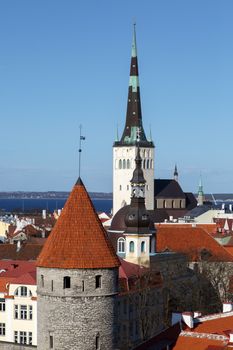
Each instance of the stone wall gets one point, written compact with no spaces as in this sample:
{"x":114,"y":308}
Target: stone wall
{"x":13,"y":346}
{"x":76,"y":318}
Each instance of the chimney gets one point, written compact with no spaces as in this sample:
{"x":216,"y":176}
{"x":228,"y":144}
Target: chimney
{"x":187,"y":317}
{"x":231,"y":338}
{"x":196,"y":314}
{"x":176,"y":318}
{"x":44,"y":214}
{"x":227,"y":307}
{"x":18,"y":246}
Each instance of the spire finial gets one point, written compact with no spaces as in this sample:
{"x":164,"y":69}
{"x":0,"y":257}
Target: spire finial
{"x":134,"y":45}
{"x":117,"y":133}
{"x":81,"y":138}
{"x":176,"y":173}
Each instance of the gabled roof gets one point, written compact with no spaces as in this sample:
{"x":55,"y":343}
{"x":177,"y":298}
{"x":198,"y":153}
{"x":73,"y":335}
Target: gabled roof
{"x":26,"y":252}
{"x":192,"y":241}
{"x":167,"y":188}
{"x":78,"y":240}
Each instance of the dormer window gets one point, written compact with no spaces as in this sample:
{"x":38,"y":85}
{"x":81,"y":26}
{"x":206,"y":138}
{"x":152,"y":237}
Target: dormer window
{"x":66,"y":282}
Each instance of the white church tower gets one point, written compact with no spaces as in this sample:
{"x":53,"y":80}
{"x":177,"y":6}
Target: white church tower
{"x":125,"y":149}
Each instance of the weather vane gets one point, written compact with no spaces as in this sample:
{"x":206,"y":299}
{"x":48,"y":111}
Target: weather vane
{"x":81,"y":138}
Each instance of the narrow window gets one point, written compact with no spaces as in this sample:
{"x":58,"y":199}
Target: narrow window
{"x":42,"y":280}
{"x":23,"y":291}
{"x":148,"y":164}
{"x":30,"y":338}
{"x":83,"y":286}
{"x":120,"y":164}
{"x":2,"y":305}
{"x":143,"y":247}
{"x":124,"y":164}
{"x":127,"y":187}
{"x":120,"y":187}
{"x":121,"y":245}
{"x":98,"y":281}
{"x":97,"y":342}
{"x":151,"y":164}
{"x":131,"y":247}
{"x":16,"y":311}
{"x":66,"y":282}
{"x":16,"y":336}
{"x":51,"y":341}
{"x":52,"y":285}
{"x":30,"y":312}
{"x":128,"y":164}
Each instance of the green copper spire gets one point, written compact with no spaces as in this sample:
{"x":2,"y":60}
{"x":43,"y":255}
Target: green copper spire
{"x":200,"y":187}
{"x":134,"y":45}
{"x":134,"y":113}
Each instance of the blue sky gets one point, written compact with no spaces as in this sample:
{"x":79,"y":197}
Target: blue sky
{"x":63,"y":63}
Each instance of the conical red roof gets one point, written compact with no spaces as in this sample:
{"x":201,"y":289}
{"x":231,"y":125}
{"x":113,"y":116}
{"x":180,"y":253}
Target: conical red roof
{"x":78,"y":240}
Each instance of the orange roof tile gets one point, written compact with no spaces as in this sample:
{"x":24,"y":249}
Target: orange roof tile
{"x":78,"y":239}
{"x":190,"y":241}
{"x":220,"y":325}
{"x":184,"y":343}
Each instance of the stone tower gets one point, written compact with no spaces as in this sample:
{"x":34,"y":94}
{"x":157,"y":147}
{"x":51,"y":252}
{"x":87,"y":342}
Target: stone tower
{"x":124,"y":150}
{"x":140,"y":231}
{"x":77,"y":278}
{"x":200,"y":194}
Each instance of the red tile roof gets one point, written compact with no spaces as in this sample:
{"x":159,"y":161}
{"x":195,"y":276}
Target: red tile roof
{"x":78,"y":239}
{"x":191,"y":241}
{"x":220,"y":325}
{"x":26,"y":252}
{"x":185,"y":343}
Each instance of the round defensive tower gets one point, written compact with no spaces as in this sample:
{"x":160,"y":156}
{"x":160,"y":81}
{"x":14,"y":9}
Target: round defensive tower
{"x":77,"y":277}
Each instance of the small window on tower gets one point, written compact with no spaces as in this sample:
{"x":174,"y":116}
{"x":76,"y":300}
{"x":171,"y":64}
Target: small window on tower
{"x":66,"y":282}
{"x":98,"y":280}
{"x":143,"y":247}
{"x":42,"y":280}
{"x":97,"y":341}
{"x":51,"y":341}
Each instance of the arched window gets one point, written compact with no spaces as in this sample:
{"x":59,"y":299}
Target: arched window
{"x":131,"y":247}
{"x":120,"y":164}
{"x":128,"y":164}
{"x":164,"y":204}
{"x":66,"y":282}
{"x":143,"y":247}
{"x":144,"y":164}
{"x":151,"y":164}
{"x":148,"y":164}
{"x":124,"y":164}
{"x":173,"y":204}
{"x":181,"y":203}
{"x":120,"y":187}
{"x":23,"y":291}
{"x":121,"y":245}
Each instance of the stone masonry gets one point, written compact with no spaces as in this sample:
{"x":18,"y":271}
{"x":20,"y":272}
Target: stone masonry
{"x":81,"y":317}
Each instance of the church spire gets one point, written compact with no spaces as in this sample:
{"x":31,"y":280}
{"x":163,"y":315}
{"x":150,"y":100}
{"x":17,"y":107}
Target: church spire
{"x":200,"y":195}
{"x":176,"y":173}
{"x":134,"y":113}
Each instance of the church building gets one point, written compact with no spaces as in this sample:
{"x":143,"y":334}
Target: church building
{"x":163,"y":197}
